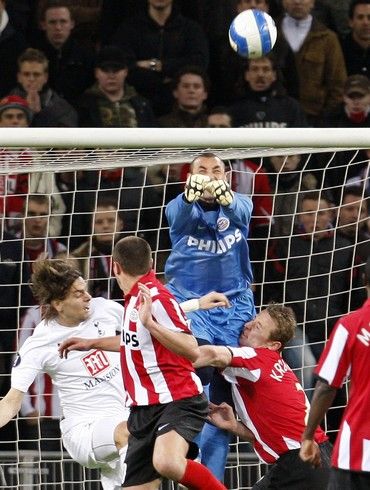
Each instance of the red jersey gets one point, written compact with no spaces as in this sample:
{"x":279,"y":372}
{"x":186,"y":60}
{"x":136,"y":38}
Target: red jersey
{"x":153,"y":374}
{"x":269,"y":401}
{"x":348,"y":353}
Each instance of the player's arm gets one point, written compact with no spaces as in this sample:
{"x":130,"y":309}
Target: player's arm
{"x":180,"y":343}
{"x":213,"y":355}
{"x":223,"y":416}
{"x":10,"y":405}
{"x":206,"y":302}
{"x":103,"y":343}
{"x":321,"y":402}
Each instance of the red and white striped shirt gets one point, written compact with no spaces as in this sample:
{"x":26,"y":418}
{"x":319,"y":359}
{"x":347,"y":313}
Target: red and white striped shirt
{"x":348,"y":353}
{"x":152,"y":374}
{"x":269,"y":401}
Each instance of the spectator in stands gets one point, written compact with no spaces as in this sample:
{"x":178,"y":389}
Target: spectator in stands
{"x":95,"y":254}
{"x":318,"y":58}
{"x":111,"y":102}
{"x":71,"y":64}
{"x":191,"y":86}
{"x":311,"y":270}
{"x":272,"y":422}
{"x":352,"y":224}
{"x":36,"y":241}
{"x":354,"y":110}
{"x":49,"y":109}
{"x":289,"y":180}
{"x":15,"y":112}
{"x":160,"y":42}
{"x":357,"y":43}
{"x":12,"y":43}
{"x":265,"y":103}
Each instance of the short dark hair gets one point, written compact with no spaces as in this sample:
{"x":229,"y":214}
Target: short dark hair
{"x":55,"y":4}
{"x":205,"y":154}
{"x":52,"y":280}
{"x":42,"y":199}
{"x":285,"y":320}
{"x":353,"y":5}
{"x":316,"y":196}
{"x":35,"y":56}
{"x":192,"y":70}
{"x":134,"y":255}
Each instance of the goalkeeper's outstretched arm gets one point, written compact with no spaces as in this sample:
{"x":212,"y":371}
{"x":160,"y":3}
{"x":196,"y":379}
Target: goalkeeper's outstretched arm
{"x":10,"y":405}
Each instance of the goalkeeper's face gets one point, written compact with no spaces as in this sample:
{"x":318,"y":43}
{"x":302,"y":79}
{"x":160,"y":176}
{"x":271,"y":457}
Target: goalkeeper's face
{"x":211,"y":167}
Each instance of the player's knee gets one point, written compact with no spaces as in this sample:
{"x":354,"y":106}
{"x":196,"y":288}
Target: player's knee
{"x":121,"y":435}
{"x":167,"y":467}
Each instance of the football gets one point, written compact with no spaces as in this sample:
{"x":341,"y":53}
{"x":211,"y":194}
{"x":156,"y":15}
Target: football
{"x":252,"y":33}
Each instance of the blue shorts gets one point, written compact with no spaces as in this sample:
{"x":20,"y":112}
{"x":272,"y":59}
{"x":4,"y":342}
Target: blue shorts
{"x":222,"y":326}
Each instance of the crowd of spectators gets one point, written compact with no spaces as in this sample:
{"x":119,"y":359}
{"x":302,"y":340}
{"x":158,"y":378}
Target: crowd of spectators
{"x":166,"y":63}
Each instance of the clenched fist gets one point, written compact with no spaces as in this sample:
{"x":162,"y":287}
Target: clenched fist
{"x":220,"y":190}
{"x":195,"y":186}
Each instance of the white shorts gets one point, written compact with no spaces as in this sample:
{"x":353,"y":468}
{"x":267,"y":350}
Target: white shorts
{"x":80,"y":439}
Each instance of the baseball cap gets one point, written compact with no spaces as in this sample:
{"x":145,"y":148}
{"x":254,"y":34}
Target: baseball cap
{"x":111,"y":57}
{"x":16,"y":102}
{"x":357,"y":85}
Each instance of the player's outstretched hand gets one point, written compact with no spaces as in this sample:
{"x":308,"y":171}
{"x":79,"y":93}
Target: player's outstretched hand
{"x":310,"y":452}
{"x":145,"y":309}
{"x":221,"y":191}
{"x":222,"y":416}
{"x":213,"y":300}
{"x":195,"y":185}
{"x":74,"y":343}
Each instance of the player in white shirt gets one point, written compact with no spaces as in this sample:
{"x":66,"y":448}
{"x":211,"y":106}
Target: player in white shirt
{"x":89,"y":384}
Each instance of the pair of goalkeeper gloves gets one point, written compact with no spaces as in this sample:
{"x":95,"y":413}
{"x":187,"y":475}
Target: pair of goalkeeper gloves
{"x":196,"y":184}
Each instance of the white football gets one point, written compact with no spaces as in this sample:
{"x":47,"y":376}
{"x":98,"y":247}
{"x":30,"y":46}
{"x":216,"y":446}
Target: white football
{"x":252,"y":33}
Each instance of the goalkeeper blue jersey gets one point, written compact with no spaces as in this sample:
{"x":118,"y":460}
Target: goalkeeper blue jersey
{"x":209,"y":247}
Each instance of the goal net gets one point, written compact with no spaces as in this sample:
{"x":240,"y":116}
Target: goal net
{"x":309,"y":239}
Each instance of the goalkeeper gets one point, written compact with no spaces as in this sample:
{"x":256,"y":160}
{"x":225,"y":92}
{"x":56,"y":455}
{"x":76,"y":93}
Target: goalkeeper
{"x":209,"y":226}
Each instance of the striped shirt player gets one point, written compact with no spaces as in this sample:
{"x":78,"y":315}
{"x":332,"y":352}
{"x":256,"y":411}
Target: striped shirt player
{"x":346,"y":355}
{"x":151,"y":373}
{"x":89,"y":384}
{"x":269,"y":401}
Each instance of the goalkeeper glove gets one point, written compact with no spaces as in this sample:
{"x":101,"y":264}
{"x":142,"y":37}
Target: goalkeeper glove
{"x":195,"y":185}
{"x":220,"y":190}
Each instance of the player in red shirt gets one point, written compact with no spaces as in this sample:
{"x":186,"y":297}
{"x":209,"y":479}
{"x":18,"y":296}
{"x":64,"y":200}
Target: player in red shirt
{"x":347,"y":351}
{"x":269,"y":400}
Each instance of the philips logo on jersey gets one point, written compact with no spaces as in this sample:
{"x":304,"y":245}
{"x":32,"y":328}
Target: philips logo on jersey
{"x":95,"y":362}
{"x":130,"y":340}
{"x":215,"y":246}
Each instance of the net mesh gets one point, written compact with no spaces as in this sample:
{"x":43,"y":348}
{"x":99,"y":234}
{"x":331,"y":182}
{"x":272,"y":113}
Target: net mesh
{"x":141,"y":182}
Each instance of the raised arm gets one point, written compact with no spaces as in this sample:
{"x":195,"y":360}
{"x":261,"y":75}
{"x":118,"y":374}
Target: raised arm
{"x":180,"y":343}
{"x":76,"y":343}
{"x":10,"y":405}
{"x":206,"y":302}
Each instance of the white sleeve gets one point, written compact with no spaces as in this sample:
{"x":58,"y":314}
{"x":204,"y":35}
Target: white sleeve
{"x":27,"y":365}
{"x":190,"y":305}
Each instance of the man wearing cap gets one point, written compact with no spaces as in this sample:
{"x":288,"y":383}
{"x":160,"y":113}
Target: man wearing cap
{"x":14,"y":112}
{"x":110,"y":102}
{"x":353,"y":112}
